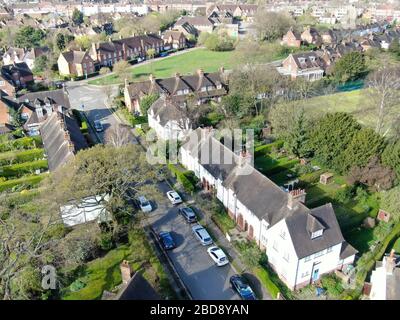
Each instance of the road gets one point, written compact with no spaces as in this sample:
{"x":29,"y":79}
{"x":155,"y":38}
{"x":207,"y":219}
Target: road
{"x":199,"y":273}
{"x":93,"y":99}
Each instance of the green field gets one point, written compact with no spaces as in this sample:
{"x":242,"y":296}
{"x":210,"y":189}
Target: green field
{"x":186,"y":63}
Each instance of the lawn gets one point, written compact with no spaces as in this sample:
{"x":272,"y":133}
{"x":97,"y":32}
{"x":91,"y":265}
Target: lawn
{"x":396,"y":246}
{"x":104,"y":273}
{"x":354,"y":102}
{"x":185,"y":63}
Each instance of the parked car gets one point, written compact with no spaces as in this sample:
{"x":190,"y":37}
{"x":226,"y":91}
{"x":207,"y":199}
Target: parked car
{"x":188,"y":214}
{"x":174,"y":197}
{"x":144,"y":204}
{"x":240,"y":285}
{"x":166,"y":240}
{"x":164,"y":54}
{"x":98,"y":125}
{"x":218,"y":256}
{"x":202,"y":234}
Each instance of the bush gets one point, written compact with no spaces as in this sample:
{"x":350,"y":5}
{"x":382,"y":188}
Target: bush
{"x":21,"y":143}
{"x":332,"y":285}
{"x":344,"y":195}
{"x":106,"y":241}
{"x":182,"y":179}
{"x":303,"y":169}
{"x":18,"y":170}
{"x":28,"y":181}
{"x":310,"y":178}
{"x":21,"y":156}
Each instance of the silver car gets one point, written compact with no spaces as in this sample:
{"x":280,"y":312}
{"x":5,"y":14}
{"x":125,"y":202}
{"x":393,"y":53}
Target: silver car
{"x":201,"y":233}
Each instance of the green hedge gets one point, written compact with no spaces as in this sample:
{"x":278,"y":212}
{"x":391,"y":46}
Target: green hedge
{"x":281,"y":167}
{"x":21,"y":156}
{"x":181,"y":177}
{"x":28,"y":181}
{"x":267,"y":148}
{"x":21,"y":143}
{"x":83,"y":125}
{"x":266,"y":280}
{"x":17,"y":170}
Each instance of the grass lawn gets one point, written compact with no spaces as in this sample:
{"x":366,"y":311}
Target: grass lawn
{"x":354,"y":102}
{"x":104,"y":273}
{"x":186,"y":63}
{"x":396,"y":246}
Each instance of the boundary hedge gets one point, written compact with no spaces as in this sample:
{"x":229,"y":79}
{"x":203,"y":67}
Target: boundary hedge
{"x":9,"y":157}
{"x":28,"y":181}
{"x":17,"y":170}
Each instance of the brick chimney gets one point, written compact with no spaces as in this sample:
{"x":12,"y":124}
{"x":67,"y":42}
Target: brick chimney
{"x":200,"y":72}
{"x":296,"y":196}
{"x":126,"y":272}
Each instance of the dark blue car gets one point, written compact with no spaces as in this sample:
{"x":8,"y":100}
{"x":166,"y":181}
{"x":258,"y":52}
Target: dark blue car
{"x":167,"y":240}
{"x":240,"y":285}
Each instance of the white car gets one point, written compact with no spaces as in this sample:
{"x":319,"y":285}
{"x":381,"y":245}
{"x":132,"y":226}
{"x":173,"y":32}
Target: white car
{"x":202,"y":234}
{"x":144,"y":204}
{"x":218,"y":256}
{"x":174,"y":197}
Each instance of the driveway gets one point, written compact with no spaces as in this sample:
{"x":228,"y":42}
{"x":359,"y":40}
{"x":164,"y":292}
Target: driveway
{"x":199,"y":273}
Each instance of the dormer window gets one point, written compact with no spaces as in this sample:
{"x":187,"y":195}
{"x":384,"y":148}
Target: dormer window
{"x":312,"y":59}
{"x":302,"y":60}
{"x":317,"y":234}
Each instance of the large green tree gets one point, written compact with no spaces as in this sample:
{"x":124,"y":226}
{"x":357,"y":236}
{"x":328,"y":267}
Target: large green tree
{"x":349,"y":67}
{"x":297,"y":142}
{"x":28,"y":37}
{"x":391,"y":156}
{"x":77,"y":17}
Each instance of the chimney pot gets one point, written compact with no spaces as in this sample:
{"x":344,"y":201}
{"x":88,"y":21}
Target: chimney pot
{"x":295,"y":196}
{"x":126,"y":271}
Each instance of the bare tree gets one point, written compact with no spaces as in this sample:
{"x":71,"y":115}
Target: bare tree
{"x":118,"y":135}
{"x":383,"y":95}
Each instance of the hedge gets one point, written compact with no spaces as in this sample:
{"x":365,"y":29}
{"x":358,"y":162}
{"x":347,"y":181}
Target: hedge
{"x":182,"y":179}
{"x":21,"y":156}
{"x":281,"y":167}
{"x":27,"y":181}
{"x":267,"y":148}
{"x":17,"y":170}
{"x":21,"y":143}
{"x":83,"y":125}
{"x":266,"y":280}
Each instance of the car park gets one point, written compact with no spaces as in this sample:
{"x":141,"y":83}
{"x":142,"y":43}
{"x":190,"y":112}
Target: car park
{"x":166,"y":240}
{"x":188,"y":214}
{"x":174,"y":197}
{"x":243,"y":289}
{"x":218,"y":256}
{"x":144,"y":204}
{"x":201,"y":233}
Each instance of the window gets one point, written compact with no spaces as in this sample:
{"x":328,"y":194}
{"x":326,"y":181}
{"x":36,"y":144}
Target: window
{"x":2,"y":83}
{"x":219,"y":86}
{"x":203,"y":89}
{"x":186,"y":91}
{"x":305,"y":274}
{"x":306,"y":259}
{"x":318,"y":254}
{"x":316,"y":234}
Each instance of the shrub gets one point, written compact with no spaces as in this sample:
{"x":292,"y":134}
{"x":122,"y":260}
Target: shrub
{"x":303,"y":169}
{"x":106,"y":241}
{"x":28,"y":181}
{"x":265,"y":278}
{"x":310,"y":178}
{"x":267,"y":148}
{"x":20,"y":169}
{"x":21,"y":143}
{"x":182,"y":179}
{"x":21,"y":156}
{"x":345,"y":194}
{"x":332,"y":285}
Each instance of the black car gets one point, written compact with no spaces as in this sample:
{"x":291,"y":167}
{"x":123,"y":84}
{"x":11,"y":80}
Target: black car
{"x":240,"y":285}
{"x":167,"y":240}
{"x":188,"y":214}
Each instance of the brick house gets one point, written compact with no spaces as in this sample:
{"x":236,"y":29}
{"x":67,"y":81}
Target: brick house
{"x":311,"y":36}
{"x":307,"y":65}
{"x":174,"y":40}
{"x":108,"y":53}
{"x":291,"y":39}
{"x":202,"y":86}
{"x":75,"y":63}
{"x":194,"y":25}
{"x":17,"y":55}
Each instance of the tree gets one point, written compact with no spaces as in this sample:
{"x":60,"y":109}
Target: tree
{"x":146,"y":102}
{"x":330,"y":136}
{"x":62,"y":40}
{"x":297,"y":142}
{"x":118,"y":135}
{"x":390,"y":201}
{"x":394,"y":47}
{"x":121,"y":69}
{"x":391,"y":157}
{"x":349,"y":67}
{"x":364,"y":145}
{"x":104,"y":70}
{"x":41,"y":64}
{"x":373,"y":175}
{"x":77,"y":17}
{"x":28,"y":37}
{"x":272,"y":25}
{"x":383,"y":95}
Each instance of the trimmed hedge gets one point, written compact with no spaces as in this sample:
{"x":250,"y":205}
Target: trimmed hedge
{"x":21,"y":156}
{"x":17,"y":170}
{"x":181,"y":177}
{"x":21,"y":143}
{"x":267,"y":148}
{"x":28,"y":181}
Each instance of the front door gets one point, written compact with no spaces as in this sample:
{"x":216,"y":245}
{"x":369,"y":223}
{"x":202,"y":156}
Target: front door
{"x":315,"y":275}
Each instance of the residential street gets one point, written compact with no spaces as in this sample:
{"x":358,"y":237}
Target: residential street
{"x":199,"y":273}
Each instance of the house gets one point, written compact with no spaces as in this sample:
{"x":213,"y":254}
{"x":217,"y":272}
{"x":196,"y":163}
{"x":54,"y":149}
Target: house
{"x":168,"y":119}
{"x":328,"y":37}
{"x":202,"y":86}
{"x":62,"y":139}
{"x":18,"y":74}
{"x":36,"y":107}
{"x":291,"y":39}
{"x":75,"y":63}
{"x":88,"y":209}
{"x":311,"y":36}
{"x":385,"y":279}
{"x":244,"y":11}
{"x":108,"y":53}
{"x":18,"y":55}
{"x":174,"y":40}
{"x":307,"y":65}
{"x":194,"y":25}
{"x":301,"y":243}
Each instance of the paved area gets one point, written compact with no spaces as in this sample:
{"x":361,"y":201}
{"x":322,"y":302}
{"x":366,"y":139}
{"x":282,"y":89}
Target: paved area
{"x":199,"y":273}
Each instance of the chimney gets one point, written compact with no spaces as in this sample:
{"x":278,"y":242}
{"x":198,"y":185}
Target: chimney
{"x":294,"y":197}
{"x":126,"y":272}
{"x":67,"y":137}
{"x":200,"y":72}
{"x":71,"y":146}
{"x":222,"y":70}
{"x":177,"y":75}
{"x":244,"y":158}
{"x":126,"y":82}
